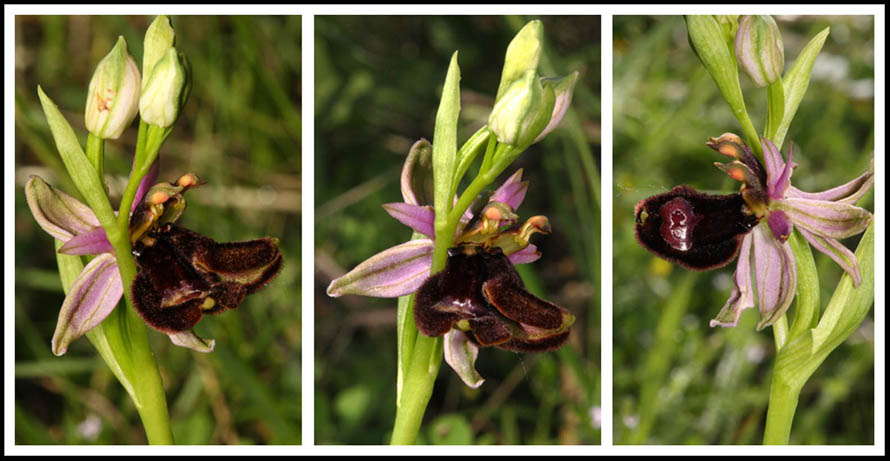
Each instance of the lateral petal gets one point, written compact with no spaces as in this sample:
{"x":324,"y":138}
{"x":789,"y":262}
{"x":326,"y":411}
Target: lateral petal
{"x":418,"y":217}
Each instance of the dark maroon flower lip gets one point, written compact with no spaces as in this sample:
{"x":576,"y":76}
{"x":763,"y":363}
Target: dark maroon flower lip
{"x":480,"y":292}
{"x":694,"y":230}
{"x":183,"y":275}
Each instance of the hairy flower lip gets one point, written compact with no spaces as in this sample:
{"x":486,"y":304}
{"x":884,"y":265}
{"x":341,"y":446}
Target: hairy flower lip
{"x":480,"y":292}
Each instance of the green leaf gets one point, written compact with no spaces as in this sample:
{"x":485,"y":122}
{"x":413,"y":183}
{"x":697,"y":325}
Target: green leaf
{"x":846,"y":310}
{"x":849,"y":305}
{"x":76,"y":162}
{"x":796,"y":81}
{"x":807,"y":298}
{"x":445,"y":142}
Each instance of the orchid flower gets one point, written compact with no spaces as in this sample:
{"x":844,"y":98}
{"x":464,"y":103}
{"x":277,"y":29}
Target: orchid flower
{"x":700,"y":231}
{"x":403,"y":269}
{"x":97,"y":290}
{"x":822,"y":218}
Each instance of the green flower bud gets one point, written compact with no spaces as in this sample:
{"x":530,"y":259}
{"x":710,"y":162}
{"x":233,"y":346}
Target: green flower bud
{"x":158,"y":38}
{"x":759,"y":50}
{"x":524,"y":110}
{"x":113,"y":96}
{"x":523,"y":54}
{"x":166,"y":90}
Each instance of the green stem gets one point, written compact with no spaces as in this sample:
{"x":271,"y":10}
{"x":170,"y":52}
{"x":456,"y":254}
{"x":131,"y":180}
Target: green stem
{"x":96,"y":155}
{"x":419,"y":380}
{"x":750,"y":132}
{"x":783,"y":399}
{"x":129,"y":338}
{"x":784,"y":392}
{"x":805,"y":350}
{"x":122,"y":339}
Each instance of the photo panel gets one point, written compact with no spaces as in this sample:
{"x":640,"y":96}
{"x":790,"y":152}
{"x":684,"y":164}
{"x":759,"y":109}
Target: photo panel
{"x":218,"y":103}
{"x":739,"y":304}
{"x":380,"y":82}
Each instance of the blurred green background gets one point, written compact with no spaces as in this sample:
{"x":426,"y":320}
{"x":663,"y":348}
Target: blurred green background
{"x":378,"y":81}
{"x":676,"y":380}
{"x":240,"y":131}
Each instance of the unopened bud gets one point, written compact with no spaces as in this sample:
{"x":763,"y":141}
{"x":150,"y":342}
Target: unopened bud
{"x":158,"y":38}
{"x":523,"y":112}
{"x":759,"y":50}
{"x":113,"y":98}
{"x":166,"y":90}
